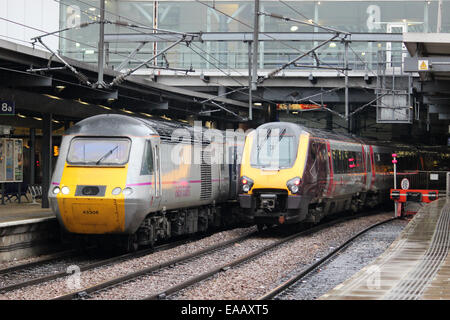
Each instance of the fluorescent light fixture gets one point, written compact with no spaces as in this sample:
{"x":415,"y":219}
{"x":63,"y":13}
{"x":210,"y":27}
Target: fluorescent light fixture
{"x":21,"y":115}
{"x":332,"y":45}
{"x":89,"y":51}
{"x":294,"y":28}
{"x":53,"y":97}
{"x":40,"y":119}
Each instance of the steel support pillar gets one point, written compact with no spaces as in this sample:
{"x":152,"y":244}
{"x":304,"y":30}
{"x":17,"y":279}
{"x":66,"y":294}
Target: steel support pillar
{"x":32,"y":150}
{"x":46,"y":155}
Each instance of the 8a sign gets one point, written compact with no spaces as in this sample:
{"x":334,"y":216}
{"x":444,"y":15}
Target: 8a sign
{"x":6,"y":108}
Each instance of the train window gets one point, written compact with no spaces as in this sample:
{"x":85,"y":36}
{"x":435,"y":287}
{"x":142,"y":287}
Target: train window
{"x":265,"y":153}
{"x":99,"y":151}
{"x":383,"y":162}
{"x":147,"y":159}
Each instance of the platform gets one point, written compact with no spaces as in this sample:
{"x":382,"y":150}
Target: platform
{"x":26,"y":230}
{"x":415,"y":266}
{"x":25,"y":212}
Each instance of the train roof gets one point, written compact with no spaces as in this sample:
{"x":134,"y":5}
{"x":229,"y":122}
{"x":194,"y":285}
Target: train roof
{"x":116,"y":124}
{"x":330,"y":135}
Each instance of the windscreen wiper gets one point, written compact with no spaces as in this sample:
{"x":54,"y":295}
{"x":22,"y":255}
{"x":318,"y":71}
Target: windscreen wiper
{"x":260,"y":145}
{"x":107,"y":154}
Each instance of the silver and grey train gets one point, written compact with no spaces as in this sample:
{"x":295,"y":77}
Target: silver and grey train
{"x":143,"y":180}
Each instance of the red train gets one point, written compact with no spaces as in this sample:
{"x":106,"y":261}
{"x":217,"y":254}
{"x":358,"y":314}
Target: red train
{"x":290,"y":173}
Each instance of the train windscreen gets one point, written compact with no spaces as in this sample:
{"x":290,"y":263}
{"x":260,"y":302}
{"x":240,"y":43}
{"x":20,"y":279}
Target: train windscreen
{"x":273,"y":148}
{"x":99,"y":151}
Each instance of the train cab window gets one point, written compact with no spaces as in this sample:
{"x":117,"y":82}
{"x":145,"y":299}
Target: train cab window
{"x":147,"y":159}
{"x":272,"y":150}
{"x":94,"y":151}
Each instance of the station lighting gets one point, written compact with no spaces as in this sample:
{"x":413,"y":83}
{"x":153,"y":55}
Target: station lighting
{"x":82,"y":102}
{"x":53,"y":97}
{"x":294,"y":28}
{"x":332,"y":45}
{"x":55,"y":151}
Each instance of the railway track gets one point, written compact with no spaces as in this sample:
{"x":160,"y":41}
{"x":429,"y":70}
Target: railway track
{"x":38,"y":262}
{"x":24,"y":268}
{"x":130,"y":276}
{"x":308,"y":270}
{"x":174,"y":264}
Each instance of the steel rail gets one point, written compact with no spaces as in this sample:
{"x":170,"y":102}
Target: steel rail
{"x":90,"y":266}
{"x":246,"y":258}
{"x":85,"y":291}
{"x":285,"y":285}
{"x":49,"y":258}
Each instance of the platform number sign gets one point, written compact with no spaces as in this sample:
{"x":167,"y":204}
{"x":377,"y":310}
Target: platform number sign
{"x":6,"y":108}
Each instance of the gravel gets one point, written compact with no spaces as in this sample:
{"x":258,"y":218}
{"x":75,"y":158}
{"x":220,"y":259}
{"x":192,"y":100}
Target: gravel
{"x":253,"y":279}
{"x":89,"y":278}
{"x":247,"y":281}
{"x":346,"y":263}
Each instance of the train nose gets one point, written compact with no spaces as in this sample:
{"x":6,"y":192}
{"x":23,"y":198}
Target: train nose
{"x":92,"y":210}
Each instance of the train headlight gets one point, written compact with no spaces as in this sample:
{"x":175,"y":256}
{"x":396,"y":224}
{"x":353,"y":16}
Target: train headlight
{"x":294,"y":184}
{"x":294,"y":189}
{"x":116,"y":191}
{"x":127,"y":191}
{"x":65,"y":190}
{"x":56,"y":190}
{"x":246,"y":184}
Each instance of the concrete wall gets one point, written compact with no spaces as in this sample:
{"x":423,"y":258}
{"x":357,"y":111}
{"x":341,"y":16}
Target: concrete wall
{"x":39,"y":15}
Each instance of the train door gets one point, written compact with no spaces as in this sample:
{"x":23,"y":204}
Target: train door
{"x":322,"y":169}
{"x":367,"y":166}
{"x":157,"y":175}
{"x":222,"y":172}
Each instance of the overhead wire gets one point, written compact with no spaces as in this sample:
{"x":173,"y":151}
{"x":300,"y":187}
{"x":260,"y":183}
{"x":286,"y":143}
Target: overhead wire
{"x":191,"y":44}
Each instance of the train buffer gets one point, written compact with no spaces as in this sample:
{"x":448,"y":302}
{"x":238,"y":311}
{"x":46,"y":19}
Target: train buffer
{"x":409,"y":201}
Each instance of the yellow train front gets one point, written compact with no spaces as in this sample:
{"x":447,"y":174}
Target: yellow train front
{"x":272,"y":186}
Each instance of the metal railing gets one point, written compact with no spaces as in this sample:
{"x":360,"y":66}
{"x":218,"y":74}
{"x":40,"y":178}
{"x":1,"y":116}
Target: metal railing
{"x":359,"y":60}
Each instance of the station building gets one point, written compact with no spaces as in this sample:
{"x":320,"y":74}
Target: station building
{"x":358,"y":76}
